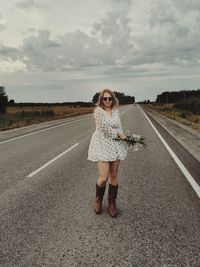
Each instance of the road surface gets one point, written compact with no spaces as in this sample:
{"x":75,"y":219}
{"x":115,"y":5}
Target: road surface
{"x":47,"y":192}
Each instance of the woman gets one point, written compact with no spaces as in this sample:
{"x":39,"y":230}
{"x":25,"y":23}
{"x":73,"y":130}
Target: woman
{"x":105,"y":150}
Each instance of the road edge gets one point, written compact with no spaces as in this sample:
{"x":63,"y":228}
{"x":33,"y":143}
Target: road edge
{"x":191,"y":146}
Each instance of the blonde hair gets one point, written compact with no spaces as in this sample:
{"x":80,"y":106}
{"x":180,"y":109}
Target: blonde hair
{"x":115,"y":101}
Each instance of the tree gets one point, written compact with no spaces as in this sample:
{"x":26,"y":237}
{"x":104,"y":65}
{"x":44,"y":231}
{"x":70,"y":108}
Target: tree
{"x":123,"y":99}
{"x":95,"y":98}
{"x":3,"y":100}
{"x":11,"y":102}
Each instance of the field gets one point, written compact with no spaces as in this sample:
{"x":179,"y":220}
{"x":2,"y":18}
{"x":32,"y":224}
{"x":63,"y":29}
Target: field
{"x":22,"y":116}
{"x":182,"y":116}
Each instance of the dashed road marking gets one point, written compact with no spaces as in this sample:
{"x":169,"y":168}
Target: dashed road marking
{"x":51,"y":161}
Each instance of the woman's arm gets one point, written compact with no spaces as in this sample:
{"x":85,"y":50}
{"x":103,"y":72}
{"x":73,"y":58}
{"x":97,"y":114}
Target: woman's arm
{"x":102,"y":125}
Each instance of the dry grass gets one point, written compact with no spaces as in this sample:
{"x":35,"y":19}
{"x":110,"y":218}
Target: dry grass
{"x":23,"y":116}
{"x":184,"y":117}
{"x":58,"y":110}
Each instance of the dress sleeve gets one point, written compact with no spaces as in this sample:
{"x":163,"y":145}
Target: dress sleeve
{"x":102,"y":125}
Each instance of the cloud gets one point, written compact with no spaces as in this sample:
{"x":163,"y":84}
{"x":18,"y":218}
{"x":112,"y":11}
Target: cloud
{"x":31,"y":29}
{"x":25,"y":4}
{"x":164,"y":39}
{"x":40,"y":53}
{"x":162,"y":14}
{"x":187,"y":5}
{"x":2,"y":24}
{"x":9,"y":53}
{"x":170,"y":39}
{"x":108,"y":45}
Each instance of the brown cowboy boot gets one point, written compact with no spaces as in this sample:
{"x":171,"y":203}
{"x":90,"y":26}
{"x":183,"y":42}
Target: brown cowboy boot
{"x":99,"y":198}
{"x":112,"y":195}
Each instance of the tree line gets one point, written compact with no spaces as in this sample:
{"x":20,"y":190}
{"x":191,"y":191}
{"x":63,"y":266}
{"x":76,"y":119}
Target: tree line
{"x":123,"y":99}
{"x":176,"y":96}
{"x":4,"y":102}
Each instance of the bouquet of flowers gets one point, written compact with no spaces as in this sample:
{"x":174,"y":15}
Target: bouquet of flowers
{"x":134,"y":141}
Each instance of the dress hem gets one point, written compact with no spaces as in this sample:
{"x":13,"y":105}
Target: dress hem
{"x":105,"y":160}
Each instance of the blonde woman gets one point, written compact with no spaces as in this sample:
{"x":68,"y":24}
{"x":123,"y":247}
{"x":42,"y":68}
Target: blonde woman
{"x":105,"y":150}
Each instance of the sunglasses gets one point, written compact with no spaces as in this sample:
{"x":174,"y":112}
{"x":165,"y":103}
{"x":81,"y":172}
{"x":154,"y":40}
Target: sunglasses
{"x":107,"y":98}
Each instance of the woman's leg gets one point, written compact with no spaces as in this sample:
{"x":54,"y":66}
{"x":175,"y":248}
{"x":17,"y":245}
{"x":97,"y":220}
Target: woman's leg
{"x":113,"y":188}
{"x":103,"y":173}
{"x":101,"y":185}
{"x":114,"y":166}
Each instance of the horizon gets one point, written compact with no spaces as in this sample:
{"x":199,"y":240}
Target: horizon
{"x":77,"y":101}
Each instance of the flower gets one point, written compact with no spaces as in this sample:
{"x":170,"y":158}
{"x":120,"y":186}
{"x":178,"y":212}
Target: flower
{"x":134,"y":141}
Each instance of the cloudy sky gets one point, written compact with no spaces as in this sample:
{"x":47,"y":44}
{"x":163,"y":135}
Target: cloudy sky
{"x":57,"y":51}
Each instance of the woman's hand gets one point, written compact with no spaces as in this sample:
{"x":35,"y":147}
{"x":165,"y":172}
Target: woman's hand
{"x":121,"y":136}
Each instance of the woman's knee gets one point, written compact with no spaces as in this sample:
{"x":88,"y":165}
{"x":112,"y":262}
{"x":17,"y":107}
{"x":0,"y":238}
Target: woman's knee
{"x":113,"y":179}
{"x":113,"y":175}
{"x":102,"y":180}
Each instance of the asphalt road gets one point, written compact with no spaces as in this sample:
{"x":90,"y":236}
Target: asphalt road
{"x":46,"y":203}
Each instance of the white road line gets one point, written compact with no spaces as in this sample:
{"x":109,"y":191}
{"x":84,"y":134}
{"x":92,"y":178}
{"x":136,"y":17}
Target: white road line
{"x":46,"y":129}
{"x":189,"y":177}
{"x":51,"y":161}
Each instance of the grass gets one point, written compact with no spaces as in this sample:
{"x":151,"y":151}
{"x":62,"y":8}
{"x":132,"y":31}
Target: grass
{"x":182,"y":116}
{"x":16,"y":117}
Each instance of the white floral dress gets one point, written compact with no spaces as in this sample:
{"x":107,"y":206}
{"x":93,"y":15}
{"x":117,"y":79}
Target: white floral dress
{"x":102,"y":145}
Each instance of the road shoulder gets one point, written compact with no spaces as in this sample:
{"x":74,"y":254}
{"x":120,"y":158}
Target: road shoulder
{"x":189,"y":138}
